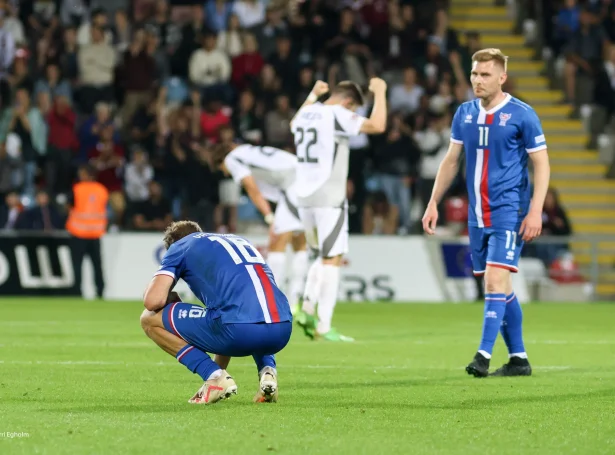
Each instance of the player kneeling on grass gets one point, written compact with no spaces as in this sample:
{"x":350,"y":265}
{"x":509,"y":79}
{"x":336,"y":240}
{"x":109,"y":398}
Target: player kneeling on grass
{"x":246,"y":314}
{"x":267,"y":174}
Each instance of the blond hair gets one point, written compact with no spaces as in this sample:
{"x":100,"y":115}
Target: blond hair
{"x":487,"y":55}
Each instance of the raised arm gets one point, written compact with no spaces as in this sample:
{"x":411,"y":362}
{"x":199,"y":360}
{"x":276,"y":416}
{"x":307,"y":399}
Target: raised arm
{"x":377,"y":121}
{"x":319,"y":89}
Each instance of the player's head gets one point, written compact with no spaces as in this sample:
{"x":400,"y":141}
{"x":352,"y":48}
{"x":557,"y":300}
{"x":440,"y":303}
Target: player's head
{"x":488,"y":72}
{"x":218,"y":154}
{"x":178,"y":230}
{"x":348,"y":94}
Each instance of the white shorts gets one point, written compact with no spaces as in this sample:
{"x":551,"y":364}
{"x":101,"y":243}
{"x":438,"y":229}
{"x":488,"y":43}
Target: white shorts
{"x":326,"y":229}
{"x":287,"y":215}
{"x":229,"y":191}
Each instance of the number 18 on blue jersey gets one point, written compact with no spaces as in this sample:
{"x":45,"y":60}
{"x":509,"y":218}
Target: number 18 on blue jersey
{"x":229,"y":275}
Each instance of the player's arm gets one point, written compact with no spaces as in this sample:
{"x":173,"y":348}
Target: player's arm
{"x":444,"y":178}
{"x":319,"y":89}
{"x":536,"y":146}
{"x":255,"y":195}
{"x":542,"y":175}
{"x":157,"y":292}
{"x":446,"y":173}
{"x":377,"y":121}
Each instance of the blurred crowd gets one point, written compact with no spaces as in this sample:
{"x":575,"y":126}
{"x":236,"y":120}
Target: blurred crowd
{"x":582,"y":34}
{"x":141,"y":89}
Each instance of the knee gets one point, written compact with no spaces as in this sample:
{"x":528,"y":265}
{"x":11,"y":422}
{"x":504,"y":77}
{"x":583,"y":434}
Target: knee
{"x":147,"y":321}
{"x":496,"y":280}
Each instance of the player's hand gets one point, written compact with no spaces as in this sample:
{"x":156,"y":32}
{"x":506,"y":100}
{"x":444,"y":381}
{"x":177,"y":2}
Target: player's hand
{"x":320,"y":88}
{"x":531,"y":226}
{"x":430,"y":219}
{"x":377,"y":85}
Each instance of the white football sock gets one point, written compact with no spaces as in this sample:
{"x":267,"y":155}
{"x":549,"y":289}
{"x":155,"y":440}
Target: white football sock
{"x":312,"y":287}
{"x":299,"y":269}
{"x":328,"y":297}
{"x":216,"y":374}
{"x":277,"y":263}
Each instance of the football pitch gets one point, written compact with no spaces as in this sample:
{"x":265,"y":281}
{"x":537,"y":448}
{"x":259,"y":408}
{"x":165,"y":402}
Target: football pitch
{"x":81,"y":378}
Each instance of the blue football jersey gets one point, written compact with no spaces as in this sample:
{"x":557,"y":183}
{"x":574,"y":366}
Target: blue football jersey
{"x":229,"y":275}
{"x":497,"y":143}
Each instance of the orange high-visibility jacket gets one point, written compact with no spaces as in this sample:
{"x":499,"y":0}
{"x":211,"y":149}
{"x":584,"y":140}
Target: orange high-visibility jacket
{"x":88,"y":217}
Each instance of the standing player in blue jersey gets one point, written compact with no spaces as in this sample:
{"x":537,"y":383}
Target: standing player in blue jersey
{"x":246,"y":314}
{"x":499,"y":133}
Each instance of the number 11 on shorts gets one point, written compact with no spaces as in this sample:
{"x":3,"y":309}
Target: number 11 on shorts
{"x":511,"y":236}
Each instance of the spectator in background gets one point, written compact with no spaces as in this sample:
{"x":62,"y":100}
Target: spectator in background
{"x":41,"y":217}
{"x":248,"y":65}
{"x":286,"y":64}
{"x":306,"y":82}
{"x":435,"y":65}
{"x":122,"y":32}
{"x":444,"y":35}
{"x":89,"y":132}
{"x":567,"y":24}
{"x":137,"y":176}
{"x":191,"y":39}
{"x":267,"y":32}
{"x":604,"y":92}
{"x":7,"y":44}
{"x":161,"y":25}
{"x":396,"y":167}
{"x":554,"y":223}
{"x":250,"y":12}
{"x":405,"y":97}
{"x":98,"y":20}
{"x":10,"y":169}
{"x":63,"y":143}
{"x":266,"y":88}
{"x":144,"y":125}
{"x":10,"y":23}
{"x":138,"y":73}
{"x":10,"y":211}
{"x":20,"y":75}
{"x":433,"y":143}
{"x":277,"y":123}
{"x":473,"y":45}
{"x":213,"y":117}
{"x":218,"y":14}
{"x":202,"y":190}
{"x":380,"y":217}
{"x":210,"y":69}
{"x":53,"y":83}
{"x":230,"y":38}
{"x":96,"y":70}
{"x":583,"y":52}
{"x":68,"y":58}
{"x":153,"y":214}
{"x":27,"y":123}
{"x":246,"y":121}
{"x":107,"y":158}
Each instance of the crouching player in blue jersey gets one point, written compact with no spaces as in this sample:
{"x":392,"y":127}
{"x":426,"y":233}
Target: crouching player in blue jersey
{"x":245,"y":315}
{"x":499,"y":133}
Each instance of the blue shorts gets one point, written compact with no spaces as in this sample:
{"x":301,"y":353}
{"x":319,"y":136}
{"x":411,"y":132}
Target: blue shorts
{"x":495,"y":247}
{"x":204,"y":330}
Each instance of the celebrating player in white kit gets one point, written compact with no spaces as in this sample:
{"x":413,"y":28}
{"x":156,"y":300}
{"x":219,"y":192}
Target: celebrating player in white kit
{"x":267,"y":174}
{"x":321,"y":132}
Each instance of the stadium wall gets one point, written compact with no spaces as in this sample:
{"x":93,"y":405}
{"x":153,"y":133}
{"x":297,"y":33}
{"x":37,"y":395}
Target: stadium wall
{"x":377,"y":269}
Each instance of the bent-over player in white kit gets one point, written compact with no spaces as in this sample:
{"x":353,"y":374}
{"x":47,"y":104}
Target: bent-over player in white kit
{"x":321,"y":132}
{"x":268,"y":174}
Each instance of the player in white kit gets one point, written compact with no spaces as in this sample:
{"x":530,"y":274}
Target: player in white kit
{"x":268,"y":174}
{"x":321,"y":132}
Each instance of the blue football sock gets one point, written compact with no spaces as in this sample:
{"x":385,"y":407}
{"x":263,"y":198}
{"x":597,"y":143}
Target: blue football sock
{"x":263,"y":361}
{"x":495,"y":306}
{"x":197,"y":361}
{"x":512,"y":326}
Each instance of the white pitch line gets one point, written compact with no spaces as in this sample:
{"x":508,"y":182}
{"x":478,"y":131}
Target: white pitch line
{"x":283,"y":366}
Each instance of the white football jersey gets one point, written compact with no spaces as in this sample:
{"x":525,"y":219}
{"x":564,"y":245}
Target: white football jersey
{"x":273,"y":169}
{"x":321,"y":136}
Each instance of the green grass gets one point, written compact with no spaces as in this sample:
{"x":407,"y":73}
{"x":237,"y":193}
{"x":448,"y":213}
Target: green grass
{"x":81,"y":378}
